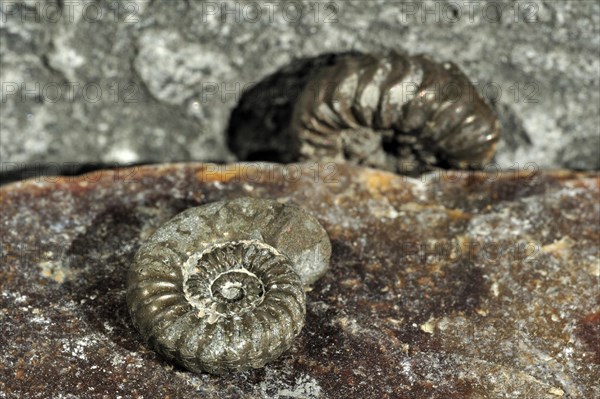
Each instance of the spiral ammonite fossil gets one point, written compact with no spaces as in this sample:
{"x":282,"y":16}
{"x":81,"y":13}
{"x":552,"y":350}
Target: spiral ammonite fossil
{"x":220,"y":287}
{"x":391,"y":111}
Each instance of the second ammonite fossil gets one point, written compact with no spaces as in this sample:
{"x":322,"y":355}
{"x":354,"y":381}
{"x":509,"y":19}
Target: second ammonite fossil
{"x":401,"y":113}
{"x":220,"y":287}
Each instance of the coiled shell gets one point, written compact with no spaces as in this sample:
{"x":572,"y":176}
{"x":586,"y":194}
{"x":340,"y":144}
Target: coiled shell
{"x":220,"y":287}
{"x":402,"y":113}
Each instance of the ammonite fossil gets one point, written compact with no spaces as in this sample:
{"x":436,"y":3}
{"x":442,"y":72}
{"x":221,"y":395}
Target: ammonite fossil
{"x":406,"y":114}
{"x":220,"y":287}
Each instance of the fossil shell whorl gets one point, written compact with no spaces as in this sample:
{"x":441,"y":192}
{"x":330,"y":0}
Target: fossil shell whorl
{"x":395,"y":112}
{"x":220,"y":287}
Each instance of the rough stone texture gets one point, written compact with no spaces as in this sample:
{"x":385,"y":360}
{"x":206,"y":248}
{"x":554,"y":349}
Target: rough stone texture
{"x":156,"y":80}
{"x":451,"y":286}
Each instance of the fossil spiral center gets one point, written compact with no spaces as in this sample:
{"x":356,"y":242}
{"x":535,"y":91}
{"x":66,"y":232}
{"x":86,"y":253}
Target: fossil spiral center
{"x":231,"y":292}
{"x":236,"y":285}
{"x":231,"y":278}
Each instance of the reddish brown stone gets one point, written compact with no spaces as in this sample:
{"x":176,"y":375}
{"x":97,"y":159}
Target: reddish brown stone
{"x":454,"y":285}
{"x":589,"y":332}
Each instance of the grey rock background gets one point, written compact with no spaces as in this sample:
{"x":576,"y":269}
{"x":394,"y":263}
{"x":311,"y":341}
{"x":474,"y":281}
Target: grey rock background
{"x":148,"y":81}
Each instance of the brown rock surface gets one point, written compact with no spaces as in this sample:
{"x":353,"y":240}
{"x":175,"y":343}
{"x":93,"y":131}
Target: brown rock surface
{"x":455,"y":285}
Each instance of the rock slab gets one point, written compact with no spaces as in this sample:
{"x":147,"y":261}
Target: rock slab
{"x":454,"y":285}
{"x":140,"y":81}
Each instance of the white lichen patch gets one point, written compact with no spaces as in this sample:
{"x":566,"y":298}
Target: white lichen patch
{"x":557,"y":392}
{"x":56,"y":271}
{"x":382,"y":209}
{"x":16,"y":297}
{"x":278,"y":385}
{"x":429,"y":326}
{"x":122,"y":153}
{"x":39,"y":318}
{"x":117,"y":360}
{"x":560,"y":248}
{"x":77,"y":348}
{"x":352,"y":327}
{"x":594,"y":267}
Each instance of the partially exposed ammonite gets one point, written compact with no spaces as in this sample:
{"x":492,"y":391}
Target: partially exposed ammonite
{"x":406,"y":114}
{"x":220,"y":287}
